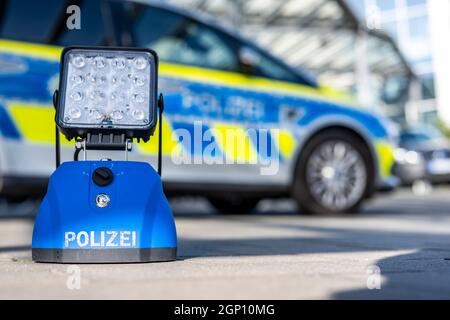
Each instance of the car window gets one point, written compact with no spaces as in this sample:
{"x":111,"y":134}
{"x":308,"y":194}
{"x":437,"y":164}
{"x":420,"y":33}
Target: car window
{"x":92,"y":30}
{"x":421,"y":135}
{"x":181,"y":40}
{"x":267,"y":67}
{"x":45,"y":22}
{"x":29,"y":20}
{"x":414,"y":137}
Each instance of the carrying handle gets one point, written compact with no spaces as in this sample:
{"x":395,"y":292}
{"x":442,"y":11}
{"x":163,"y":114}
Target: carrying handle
{"x":161,"y":110}
{"x":57,"y":140}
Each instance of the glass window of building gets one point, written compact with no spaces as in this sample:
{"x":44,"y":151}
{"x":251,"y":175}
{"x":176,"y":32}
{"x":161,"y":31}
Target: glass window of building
{"x":428,"y":89}
{"x":418,"y":28}
{"x":391,"y":28}
{"x":385,"y":5}
{"x":415,"y":2}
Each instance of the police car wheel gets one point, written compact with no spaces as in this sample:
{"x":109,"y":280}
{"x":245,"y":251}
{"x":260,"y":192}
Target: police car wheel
{"x":334,"y":173}
{"x":234,"y":205}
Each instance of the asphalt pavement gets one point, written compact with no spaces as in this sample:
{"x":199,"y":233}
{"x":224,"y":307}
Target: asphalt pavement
{"x":398,"y":247}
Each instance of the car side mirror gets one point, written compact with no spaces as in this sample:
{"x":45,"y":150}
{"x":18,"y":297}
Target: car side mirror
{"x":248,"y":60}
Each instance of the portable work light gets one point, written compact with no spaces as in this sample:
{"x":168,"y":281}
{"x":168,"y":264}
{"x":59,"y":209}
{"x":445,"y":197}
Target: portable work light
{"x":107,"y":91}
{"x":105,"y":211}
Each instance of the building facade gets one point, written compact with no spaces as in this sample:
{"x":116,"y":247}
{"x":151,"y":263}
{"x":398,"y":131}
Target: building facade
{"x":421,"y":29}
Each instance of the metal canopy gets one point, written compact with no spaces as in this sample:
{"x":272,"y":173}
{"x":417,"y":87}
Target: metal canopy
{"x":323,"y":37}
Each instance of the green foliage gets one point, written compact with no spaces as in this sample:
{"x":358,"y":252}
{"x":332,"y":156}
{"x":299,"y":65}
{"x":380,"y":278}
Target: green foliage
{"x":443,"y":127}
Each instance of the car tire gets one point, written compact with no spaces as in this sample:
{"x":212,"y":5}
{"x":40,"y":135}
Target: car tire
{"x":334,"y":173}
{"x":234,"y":205}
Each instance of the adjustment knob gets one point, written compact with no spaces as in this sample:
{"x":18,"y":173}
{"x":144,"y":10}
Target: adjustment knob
{"x":102,"y":176}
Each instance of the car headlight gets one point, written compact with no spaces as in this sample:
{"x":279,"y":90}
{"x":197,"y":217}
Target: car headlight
{"x":404,"y":156}
{"x":107,"y":90}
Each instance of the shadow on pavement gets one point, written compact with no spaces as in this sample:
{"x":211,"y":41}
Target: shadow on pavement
{"x":15,"y":248}
{"x":325,"y":240}
{"x":423,"y":274}
{"x":17,"y":217}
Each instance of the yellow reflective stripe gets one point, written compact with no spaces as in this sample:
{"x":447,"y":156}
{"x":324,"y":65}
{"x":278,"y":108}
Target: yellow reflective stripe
{"x":168,"y":145}
{"x":31,"y":50}
{"x":286,"y":143}
{"x":208,"y":76}
{"x":338,"y":96}
{"x":235,"y":143}
{"x":36,"y":122}
{"x":237,"y":80}
{"x":385,"y":153}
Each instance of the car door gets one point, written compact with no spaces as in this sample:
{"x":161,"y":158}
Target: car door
{"x":210,"y":107}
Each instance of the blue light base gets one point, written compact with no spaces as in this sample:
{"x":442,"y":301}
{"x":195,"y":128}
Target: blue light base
{"x":136,"y":226}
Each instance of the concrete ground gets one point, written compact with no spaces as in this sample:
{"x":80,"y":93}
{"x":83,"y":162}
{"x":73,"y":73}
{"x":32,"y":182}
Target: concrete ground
{"x":272,"y":254}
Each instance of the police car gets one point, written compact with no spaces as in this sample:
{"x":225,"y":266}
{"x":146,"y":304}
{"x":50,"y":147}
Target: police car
{"x":318,"y":147}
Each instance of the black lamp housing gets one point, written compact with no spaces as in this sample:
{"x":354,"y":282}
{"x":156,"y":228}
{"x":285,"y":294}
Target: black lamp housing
{"x":144,"y":131}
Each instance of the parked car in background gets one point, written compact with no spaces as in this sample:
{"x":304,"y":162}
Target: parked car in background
{"x":423,"y":154}
{"x":333,"y":155}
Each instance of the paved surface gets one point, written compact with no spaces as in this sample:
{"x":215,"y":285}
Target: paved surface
{"x":272,"y":254}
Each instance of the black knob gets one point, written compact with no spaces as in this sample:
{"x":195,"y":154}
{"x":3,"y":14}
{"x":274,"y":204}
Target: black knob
{"x":103,"y":176}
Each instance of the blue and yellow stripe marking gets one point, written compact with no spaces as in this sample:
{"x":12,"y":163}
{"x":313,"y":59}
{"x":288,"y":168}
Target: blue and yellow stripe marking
{"x":195,"y":74}
{"x":7,"y":127}
{"x":34,"y":121}
{"x":386,"y":160}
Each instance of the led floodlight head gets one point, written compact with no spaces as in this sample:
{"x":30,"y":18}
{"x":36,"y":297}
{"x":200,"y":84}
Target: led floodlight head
{"x":107,"y":90}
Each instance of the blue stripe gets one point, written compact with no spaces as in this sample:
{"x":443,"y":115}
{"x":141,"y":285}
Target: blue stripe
{"x":266,"y":151}
{"x":193,"y":146}
{"x":7,"y":127}
{"x":27,"y":78}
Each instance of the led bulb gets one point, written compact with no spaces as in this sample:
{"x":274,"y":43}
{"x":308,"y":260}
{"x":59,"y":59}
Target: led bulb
{"x":117,"y":114}
{"x":95,"y":114}
{"x":118,"y":96}
{"x":119,"y":63}
{"x":140,"y":63}
{"x":139,"y":81}
{"x":74,"y":113}
{"x":119,"y":79}
{"x":97,"y":95}
{"x":138,"y":98}
{"x":98,"y":79}
{"x":77,"y":79}
{"x":99,"y":62}
{"x":76,"y":96}
{"x":78,"y":61}
{"x":138,"y":114}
